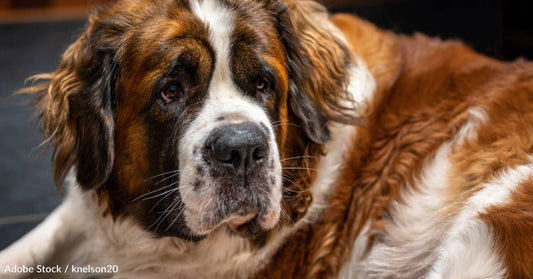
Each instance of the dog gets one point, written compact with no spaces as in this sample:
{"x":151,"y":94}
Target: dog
{"x":268,"y":139}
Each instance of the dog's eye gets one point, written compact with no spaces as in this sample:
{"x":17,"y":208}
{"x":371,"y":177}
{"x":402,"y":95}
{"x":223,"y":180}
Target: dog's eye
{"x":262,"y":84}
{"x":171,"y":92}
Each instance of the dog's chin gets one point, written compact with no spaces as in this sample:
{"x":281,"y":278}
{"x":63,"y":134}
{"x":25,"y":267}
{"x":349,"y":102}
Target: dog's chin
{"x":230,"y":205}
{"x":250,"y":225}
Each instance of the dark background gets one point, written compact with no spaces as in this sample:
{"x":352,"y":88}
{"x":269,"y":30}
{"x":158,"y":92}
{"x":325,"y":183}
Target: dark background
{"x":502,"y":29}
{"x":33,"y":35}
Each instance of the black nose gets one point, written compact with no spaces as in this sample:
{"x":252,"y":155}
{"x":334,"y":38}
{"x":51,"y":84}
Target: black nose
{"x":240,"y":146}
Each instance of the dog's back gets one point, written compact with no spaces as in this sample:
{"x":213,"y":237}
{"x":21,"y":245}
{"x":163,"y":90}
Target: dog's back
{"x":439,"y":181}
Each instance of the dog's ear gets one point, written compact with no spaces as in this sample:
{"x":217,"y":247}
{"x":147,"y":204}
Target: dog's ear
{"x":318,"y":65}
{"x":76,"y":105}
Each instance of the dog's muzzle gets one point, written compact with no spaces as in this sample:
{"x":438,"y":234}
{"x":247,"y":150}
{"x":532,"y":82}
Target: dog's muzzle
{"x":238,"y":156}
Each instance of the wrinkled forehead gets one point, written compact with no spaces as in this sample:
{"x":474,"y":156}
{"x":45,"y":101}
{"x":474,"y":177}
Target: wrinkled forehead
{"x":239,"y":37}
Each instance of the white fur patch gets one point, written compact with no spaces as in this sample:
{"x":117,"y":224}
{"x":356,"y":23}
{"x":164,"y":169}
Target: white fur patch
{"x":417,"y":238}
{"x":408,"y":242}
{"x":468,"y":246}
{"x":361,"y":87}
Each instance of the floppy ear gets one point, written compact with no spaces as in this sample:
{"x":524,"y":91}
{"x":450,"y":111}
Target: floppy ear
{"x":318,"y":64}
{"x":76,"y":106}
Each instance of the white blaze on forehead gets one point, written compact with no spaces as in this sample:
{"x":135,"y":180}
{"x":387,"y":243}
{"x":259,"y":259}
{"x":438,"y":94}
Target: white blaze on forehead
{"x":219,"y":22}
{"x":224,"y":98}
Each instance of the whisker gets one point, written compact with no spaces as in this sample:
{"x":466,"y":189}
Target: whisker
{"x":287,"y":179}
{"x":296,"y":157}
{"x":182,"y":198}
{"x":181,"y":212}
{"x":175,"y":218}
{"x":294,"y":191}
{"x":285,"y":213}
{"x":167,"y":178}
{"x":159,"y":201}
{"x":151,"y":192}
{"x":172,"y":207}
{"x":161,"y":174}
{"x":147,"y":196}
{"x":300,"y":168}
{"x":162,"y":217}
{"x":279,"y":123}
{"x":164,"y":193}
{"x":289,"y":124}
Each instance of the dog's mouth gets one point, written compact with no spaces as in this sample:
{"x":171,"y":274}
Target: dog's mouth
{"x":240,"y":224}
{"x":248,"y":225}
{"x":244,"y":220}
{"x":251,"y":225}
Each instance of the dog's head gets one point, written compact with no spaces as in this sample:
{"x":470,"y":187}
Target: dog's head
{"x":182,"y":113}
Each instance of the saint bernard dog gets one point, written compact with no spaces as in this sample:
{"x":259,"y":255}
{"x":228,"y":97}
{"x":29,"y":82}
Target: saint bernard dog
{"x":268,"y":139}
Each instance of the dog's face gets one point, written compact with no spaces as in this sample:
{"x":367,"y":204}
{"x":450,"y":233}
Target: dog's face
{"x":206,"y":96}
{"x":180,"y":112}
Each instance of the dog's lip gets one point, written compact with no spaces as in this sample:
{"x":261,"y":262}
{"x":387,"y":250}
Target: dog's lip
{"x":271,"y":218}
{"x":238,"y":223}
{"x":235,"y":222}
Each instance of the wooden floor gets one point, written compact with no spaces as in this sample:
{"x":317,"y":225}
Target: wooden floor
{"x":32,"y":11}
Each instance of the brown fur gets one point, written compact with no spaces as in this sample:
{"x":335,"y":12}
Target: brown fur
{"x":512,"y":224}
{"x":424,"y":87}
